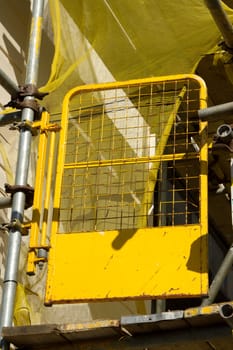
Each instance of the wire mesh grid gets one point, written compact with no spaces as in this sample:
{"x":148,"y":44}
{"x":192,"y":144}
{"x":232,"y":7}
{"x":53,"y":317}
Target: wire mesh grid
{"x":132,"y":158}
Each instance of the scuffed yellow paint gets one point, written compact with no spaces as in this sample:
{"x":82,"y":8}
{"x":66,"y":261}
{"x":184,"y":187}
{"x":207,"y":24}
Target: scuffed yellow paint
{"x":154,"y":262}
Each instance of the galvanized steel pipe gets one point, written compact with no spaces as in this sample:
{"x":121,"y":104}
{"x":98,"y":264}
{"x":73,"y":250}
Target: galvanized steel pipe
{"x":219,"y":278}
{"x":5,"y":202}
{"x":18,"y":200}
{"x":7,"y":83}
{"x":221,"y":20}
{"x":226,"y":311}
{"x":225,"y":133}
{"x":9,"y":118}
{"x":222,"y":110}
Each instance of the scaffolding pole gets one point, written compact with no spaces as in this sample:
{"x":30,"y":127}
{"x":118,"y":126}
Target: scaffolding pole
{"x":227,"y":262}
{"x":22,"y":167}
{"x":7,"y":83}
{"x":222,"y":21}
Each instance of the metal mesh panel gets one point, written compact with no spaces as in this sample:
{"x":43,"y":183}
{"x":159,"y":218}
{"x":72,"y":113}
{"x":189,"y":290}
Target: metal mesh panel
{"x":132,"y":157}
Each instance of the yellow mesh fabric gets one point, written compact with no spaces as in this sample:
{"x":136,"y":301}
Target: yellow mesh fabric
{"x":108,"y":40}
{"x":22,"y":308}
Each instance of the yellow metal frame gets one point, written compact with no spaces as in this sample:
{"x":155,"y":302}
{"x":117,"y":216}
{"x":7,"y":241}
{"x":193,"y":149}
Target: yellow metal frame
{"x":138,"y":263}
{"x":42,"y":197}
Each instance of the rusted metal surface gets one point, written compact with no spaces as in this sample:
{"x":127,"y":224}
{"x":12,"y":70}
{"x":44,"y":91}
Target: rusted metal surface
{"x":27,"y":189}
{"x":18,"y":98}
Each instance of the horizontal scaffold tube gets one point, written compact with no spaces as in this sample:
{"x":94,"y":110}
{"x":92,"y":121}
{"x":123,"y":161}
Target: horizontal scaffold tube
{"x":5,"y":202}
{"x":223,"y":110}
{"x":9,"y":118}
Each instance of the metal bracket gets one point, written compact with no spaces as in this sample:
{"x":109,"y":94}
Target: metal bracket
{"x":151,"y":318}
{"x":24,"y":125}
{"x":51,"y":127}
{"x":18,"y":100}
{"x":28,"y":190}
{"x":17,"y":226}
{"x":35,"y":126}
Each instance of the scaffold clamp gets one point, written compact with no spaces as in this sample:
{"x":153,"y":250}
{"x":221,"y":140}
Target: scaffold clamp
{"x":28,"y":90}
{"x":26,"y":189}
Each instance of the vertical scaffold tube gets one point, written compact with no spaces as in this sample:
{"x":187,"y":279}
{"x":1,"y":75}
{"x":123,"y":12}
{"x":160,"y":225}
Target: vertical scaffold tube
{"x":18,"y":201}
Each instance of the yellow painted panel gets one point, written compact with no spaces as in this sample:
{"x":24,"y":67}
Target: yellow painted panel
{"x":143,"y":263}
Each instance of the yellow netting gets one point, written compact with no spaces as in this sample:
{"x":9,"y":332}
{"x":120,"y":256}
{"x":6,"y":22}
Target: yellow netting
{"x":22,"y":308}
{"x":108,"y":40}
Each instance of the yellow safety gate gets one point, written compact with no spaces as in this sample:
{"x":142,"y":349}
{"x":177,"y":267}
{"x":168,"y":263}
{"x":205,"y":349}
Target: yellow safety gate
{"x":129,"y":213}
